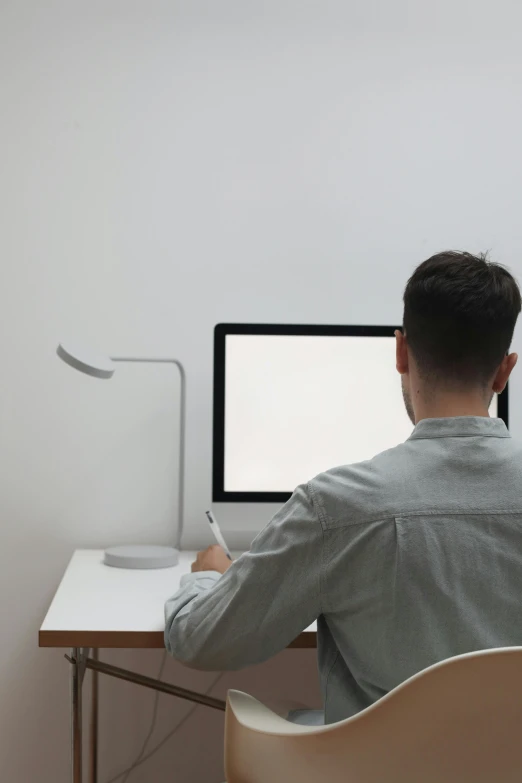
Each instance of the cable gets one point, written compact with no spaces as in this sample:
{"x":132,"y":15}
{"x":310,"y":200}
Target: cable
{"x":129,"y":769}
{"x":178,"y":725}
{"x":141,"y":759}
{"x":153,"y":721}
{"x":184,"y":719}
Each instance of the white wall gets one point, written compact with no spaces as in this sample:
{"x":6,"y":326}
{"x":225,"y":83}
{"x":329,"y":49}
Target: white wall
{"x":165,"y":166}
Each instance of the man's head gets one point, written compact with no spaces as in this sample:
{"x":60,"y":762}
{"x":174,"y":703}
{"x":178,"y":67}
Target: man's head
{"x":460,"y":311}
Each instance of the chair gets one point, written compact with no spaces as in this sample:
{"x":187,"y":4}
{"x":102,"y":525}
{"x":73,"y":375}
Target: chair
{"x":459,"y":721}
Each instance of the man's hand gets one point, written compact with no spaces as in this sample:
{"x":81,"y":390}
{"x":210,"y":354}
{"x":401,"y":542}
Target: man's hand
{"x":212,"y":559}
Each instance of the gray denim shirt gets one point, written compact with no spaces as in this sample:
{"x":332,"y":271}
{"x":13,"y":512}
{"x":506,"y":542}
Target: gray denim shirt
{"x":407,"y":559}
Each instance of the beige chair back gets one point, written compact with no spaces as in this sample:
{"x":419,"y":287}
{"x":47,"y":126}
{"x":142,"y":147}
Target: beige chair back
{"x":459,"y":721}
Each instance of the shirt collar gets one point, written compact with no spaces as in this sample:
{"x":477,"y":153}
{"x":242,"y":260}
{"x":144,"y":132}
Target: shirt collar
{"x":461,"y":427}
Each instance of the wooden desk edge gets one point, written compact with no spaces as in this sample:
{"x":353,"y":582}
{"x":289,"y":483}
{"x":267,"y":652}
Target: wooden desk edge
{"x":142,"y":640}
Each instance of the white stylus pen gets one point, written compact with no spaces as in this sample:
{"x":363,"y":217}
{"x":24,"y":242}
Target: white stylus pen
{"x":218,"y":535}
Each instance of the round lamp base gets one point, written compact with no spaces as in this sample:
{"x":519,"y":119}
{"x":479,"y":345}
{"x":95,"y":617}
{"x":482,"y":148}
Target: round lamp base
{"x":141,"y":556}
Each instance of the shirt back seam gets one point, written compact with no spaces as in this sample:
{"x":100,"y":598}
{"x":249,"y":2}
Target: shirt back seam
{"x":335,"y":524}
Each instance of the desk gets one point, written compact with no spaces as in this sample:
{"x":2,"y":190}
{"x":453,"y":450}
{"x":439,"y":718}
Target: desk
{"x":96,"y":606}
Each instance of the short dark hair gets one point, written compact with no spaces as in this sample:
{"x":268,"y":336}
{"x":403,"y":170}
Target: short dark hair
{"x":460,"y":312}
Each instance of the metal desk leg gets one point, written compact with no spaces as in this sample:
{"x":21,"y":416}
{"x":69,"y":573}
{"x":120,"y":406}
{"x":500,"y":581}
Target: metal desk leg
{"x":80,"y":661}
{"x":76,"y":715}
{"x":93,"y":733}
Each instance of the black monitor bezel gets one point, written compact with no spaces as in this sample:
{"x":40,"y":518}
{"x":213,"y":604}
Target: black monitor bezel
{"x":219,"y":494}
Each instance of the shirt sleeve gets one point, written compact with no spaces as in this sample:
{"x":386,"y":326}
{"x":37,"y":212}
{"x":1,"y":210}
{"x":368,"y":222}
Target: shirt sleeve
{"x":261,"y":604}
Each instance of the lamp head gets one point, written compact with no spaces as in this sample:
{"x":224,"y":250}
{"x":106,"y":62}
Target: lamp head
{"x":86,"y":362}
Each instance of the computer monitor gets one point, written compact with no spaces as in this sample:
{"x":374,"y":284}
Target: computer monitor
{"x":292,"y":401}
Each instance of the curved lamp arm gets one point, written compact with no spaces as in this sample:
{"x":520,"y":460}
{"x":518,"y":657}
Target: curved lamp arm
{"x":103,"y":367}
{"x":182,"y":429}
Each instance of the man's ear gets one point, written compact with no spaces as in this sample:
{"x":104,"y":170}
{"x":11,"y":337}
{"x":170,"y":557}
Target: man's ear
{"x":503,"y":372}
{"x":401,"y":352}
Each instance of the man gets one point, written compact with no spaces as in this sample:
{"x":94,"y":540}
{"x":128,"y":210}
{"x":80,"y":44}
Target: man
{"x":409,"y":558}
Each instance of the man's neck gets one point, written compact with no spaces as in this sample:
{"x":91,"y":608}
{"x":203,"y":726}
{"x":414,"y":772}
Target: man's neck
{"x":447,"y":405}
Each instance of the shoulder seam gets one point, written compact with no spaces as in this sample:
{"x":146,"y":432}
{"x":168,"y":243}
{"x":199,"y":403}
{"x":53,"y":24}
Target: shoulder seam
{"x":321,"y":513}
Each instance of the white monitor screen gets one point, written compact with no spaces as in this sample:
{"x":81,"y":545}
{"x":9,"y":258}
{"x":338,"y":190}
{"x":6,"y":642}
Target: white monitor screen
{"x":295,"y":405}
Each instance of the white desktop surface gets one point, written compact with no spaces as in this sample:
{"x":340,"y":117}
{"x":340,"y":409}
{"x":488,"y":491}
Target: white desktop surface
{"x":100,"y":606}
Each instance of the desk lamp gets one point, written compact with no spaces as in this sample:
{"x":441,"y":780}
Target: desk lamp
{"x":136,"y":556}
